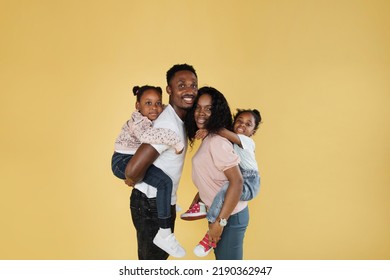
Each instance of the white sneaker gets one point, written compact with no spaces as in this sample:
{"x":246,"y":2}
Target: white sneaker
{"x":203,"y":248}
{"x":169,"y":245}
{"x":201,"y":251}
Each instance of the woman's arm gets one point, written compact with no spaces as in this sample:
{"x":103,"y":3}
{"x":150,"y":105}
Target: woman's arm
{"x":232,"y":197}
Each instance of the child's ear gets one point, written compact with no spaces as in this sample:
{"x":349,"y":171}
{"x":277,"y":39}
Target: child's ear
{"x":137,"y":105}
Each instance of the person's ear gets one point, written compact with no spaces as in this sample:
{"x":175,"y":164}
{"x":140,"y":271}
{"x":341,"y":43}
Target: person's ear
{"x":169,"y":91}
{"x":137,"y":105}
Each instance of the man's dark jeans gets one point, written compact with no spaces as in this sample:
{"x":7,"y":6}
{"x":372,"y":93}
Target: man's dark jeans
{"x":144,"y":214}
{"x":155,"y":177}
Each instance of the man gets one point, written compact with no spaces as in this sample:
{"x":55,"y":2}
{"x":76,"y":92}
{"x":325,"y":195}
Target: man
{"x":182,"y":88}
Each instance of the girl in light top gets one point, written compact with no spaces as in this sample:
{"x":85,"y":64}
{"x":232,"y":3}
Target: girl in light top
{"x":137,"y":130}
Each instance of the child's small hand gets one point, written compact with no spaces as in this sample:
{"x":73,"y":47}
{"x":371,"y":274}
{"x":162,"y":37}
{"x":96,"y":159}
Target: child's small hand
{"x":201,"y":134}
{"x":179,"y":147}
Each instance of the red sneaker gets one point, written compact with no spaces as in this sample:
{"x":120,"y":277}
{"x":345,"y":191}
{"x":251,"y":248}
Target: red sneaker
{"x":196,"y":212}
{"x":203,"y":248}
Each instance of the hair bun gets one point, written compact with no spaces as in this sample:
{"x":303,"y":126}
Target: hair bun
{"x":135,"y":90}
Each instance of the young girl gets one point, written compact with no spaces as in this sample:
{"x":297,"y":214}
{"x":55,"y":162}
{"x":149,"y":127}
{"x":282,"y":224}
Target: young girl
{"x":245,"y":125}
{"x":137,"y":130}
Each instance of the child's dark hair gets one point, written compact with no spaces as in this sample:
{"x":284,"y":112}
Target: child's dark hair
{"x":179,"y":67}
{"x":255,"y":113}
{"x":139,"y":91}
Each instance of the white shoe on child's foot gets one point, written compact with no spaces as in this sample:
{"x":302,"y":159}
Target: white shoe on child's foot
{"x":169,"y":244}
{"x":203,"y":248}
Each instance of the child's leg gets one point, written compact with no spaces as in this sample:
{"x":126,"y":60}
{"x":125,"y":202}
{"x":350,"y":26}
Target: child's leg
{"x":163,"y":183}
{"x":118,"y":164}
{"x":216,"y":206}
{"x":251,"y":185}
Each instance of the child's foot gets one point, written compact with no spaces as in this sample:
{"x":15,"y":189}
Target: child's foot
{"x":203,"y":248}
{"x":196,"y":212}
{"x":169,"y":244}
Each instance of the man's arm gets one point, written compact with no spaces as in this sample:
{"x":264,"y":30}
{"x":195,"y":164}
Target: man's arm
{"x":139,"y":163}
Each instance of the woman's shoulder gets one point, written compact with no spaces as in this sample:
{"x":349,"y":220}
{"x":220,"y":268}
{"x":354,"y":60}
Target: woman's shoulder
{"x":222,"y":151}
{"x":219,"y":141}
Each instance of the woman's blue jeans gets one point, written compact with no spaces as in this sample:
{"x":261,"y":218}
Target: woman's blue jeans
{"x":231,"y":245}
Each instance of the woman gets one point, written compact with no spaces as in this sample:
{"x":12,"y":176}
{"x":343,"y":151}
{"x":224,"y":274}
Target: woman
{"x":214,"y":164}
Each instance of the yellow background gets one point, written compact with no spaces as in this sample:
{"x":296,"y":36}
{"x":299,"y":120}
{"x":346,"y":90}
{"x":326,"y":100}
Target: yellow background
{"x":317,"y":70}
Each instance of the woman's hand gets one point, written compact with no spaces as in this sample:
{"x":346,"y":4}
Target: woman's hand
{"x":215,"y":232}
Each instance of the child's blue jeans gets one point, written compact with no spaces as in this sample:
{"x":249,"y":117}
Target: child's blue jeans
{"x":155,"y":177}
{"x":250,"y":189}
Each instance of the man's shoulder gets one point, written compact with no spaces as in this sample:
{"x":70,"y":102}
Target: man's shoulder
{"x":167,"y":118}
{"x":167,"y":113}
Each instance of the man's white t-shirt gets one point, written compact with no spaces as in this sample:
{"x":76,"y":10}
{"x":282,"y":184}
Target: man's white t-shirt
{"x":168,"y":161}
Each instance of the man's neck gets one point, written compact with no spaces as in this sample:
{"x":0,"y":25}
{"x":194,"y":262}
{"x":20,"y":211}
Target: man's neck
{"x":179,"y":111}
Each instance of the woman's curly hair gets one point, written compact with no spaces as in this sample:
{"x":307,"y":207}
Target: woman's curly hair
{"x":221,"y":116}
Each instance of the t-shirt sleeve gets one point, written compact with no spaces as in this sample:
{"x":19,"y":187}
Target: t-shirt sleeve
{"x":246,"y":142}
{"x":223,"y":154}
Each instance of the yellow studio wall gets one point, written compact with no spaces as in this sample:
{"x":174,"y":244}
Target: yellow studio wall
{"x":317,"y":70}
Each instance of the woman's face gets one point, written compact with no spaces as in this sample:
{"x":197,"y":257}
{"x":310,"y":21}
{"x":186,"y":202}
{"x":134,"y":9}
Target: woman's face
{"x":203,"y":111}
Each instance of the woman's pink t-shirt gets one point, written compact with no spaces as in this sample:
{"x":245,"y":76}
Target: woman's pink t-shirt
{"x":214,"y":156}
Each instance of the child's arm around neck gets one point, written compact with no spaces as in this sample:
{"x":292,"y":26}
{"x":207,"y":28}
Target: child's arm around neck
{"x":231,"y":136}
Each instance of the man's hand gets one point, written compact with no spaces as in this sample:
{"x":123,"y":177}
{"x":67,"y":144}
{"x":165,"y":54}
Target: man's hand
{"x":129,"y":182}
